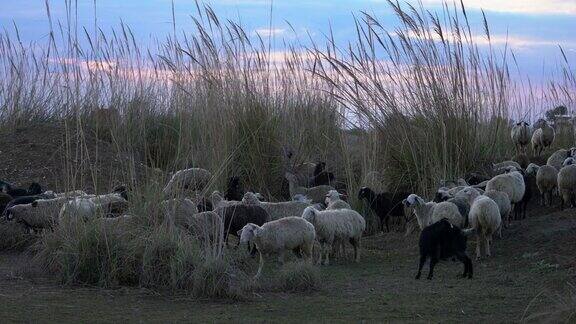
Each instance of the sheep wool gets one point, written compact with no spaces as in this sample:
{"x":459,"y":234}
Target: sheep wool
{"x":557,"y":158}
{"x":276,"y":210}
{"x":40,"y":214}
{"x":510,"y":183}
{"x":280,"y":236}
{"x":188,"y":179}
{"x":520,"y":134}
{"x":317,"y":194}
{"x":504,"y":206}
{"x":484,"y":220}
{"x":567,"y":185}
{"x":178,"y":211}
{"x":207,"y":227}
{"x":343,"y":224}
{"x":542,"y":138}
{"x":546,"y":181}
{"x":449,"y":211}
{"x":333,"y":201}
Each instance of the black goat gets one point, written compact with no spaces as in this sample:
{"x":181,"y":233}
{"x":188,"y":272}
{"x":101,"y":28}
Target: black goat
{"x":5,"y":199}
{"x":441,"y":241}
{"x":384,"y":204}
{"x":33,"y":189}
{"x":321,"y":176}
{"x":235,"y":190}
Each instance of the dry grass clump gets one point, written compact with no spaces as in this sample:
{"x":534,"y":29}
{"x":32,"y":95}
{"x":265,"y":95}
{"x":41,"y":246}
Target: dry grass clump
{"x":299,"y":276}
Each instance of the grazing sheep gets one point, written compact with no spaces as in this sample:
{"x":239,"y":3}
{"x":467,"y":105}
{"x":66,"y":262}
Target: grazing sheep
{"x":384,"y":204}
{"x":188,"y":179}
{"x":440,"y":241}
{"x":522,"y":159}
{"x":321,"y":176}
{"x":338,"y":224}
{"x":276,"y":237}
{"x":485,"y":220}
{"x":333,"y":201}
{"x":234,"y":190}
{"x":87,"y":208}
{"x":5,"y":199}
{"x":207,"y":226}
{"x":39,"y":214}
{"x":237,"y":216}
{"x":504,"y":206}
{"x":567,"y":183}
{"x":520,"y":136}
{"x":430,"y":212}
{"x":317,"y":194}
{"x":558,"y":157}
{"x":542,"y":137}
{"x":499,"y":168}
{"x":546,"y":181}
{"x":511,"y":183}
{"x":178,"y":211}
{"x":276,"y":210}
{"x":218,"y":200}
{"x":25,"y":200}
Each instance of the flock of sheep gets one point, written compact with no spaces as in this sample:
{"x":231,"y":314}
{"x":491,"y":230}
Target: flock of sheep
{"x":478,"y":205}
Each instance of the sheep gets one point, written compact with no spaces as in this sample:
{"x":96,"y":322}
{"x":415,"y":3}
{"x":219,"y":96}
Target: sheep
{"x":276,"y":237}
{"x":529,"y":183}
{"x":431,"y":212}
{"x":218,"y":200}
{"x":39,"y":214}
{"x":178,"y":211}
{"x":207,"y":226}
{"x":558,"y":157}
{"x":546,"y":181}
{"x":71,"y":194}
{"x":511,"y":183}
{"x":520,"y":136}
{"x":234,"y":190}
{"x":276,"y":210}
{"x":5,"y":199}
{"x":237,"y":216}
{"x":317,"y":194}
{"x":375,"y":180}
{"x":25,"y":200}
{"x":333,"y":201}
{"x":499,"y":168}
{"x":474,"y":178}
{"x":542,"y":138}
{"x":522,"y":159}
{"x":485,"y":220}
{"x":188,"y":179}
{"x":440,"y":241}
{"x":33,"y":189}
{"x":321,"y":176}
{"x":338,"y":224}
{"x":567,"y":183}
{"x":504,"y":206}
{"x":384,"y":205}
{"x":87,"y":208}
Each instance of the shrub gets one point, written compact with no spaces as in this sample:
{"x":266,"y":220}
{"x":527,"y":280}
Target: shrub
{"x":299,"y":276}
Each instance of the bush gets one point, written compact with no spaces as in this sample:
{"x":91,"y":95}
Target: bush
{"x":299,"y":276}
{"x":13,"y":236}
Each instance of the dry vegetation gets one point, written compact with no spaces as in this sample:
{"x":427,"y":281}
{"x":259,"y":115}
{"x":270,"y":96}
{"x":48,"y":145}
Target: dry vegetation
{"x":421,"y":103}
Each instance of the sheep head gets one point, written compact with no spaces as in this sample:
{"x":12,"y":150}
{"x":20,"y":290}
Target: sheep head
{"x":413,"y":200}
{"x":250,"y":198}
{"x":568,"y":161}
{"x":248,"y":232}
{"x":309,"y":214}
{"x":532,"y":169}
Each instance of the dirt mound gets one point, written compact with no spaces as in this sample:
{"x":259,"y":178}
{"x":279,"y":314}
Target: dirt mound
{"x":60,"y":158}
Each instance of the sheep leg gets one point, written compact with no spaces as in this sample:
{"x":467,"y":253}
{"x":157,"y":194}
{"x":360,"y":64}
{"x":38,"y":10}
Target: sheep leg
{"x":356,"y":244}
{"x":467,"y":264}
{"x":420,"y":266}
{"x":260,"y":266}
{"x":387,"y":225}
{"x":327,"y":252}
{"x":307,"y":251}
{"x":478,"y":247}
{"x":433,"y":261}
{"x":488,"y":240}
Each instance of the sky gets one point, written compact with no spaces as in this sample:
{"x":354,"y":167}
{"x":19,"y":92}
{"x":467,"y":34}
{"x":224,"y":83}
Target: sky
{"x":533,"y":28}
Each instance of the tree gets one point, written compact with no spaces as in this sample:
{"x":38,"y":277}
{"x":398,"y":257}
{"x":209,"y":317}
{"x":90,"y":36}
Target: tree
{"x":553,"y":113}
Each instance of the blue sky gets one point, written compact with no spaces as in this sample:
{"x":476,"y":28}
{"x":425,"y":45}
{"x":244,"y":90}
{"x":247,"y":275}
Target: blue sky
{"x":535,"y":28}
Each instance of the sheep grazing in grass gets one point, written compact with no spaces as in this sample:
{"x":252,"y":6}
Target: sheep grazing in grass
{"x":521,"y":136}
{"x":546,"y":181}
{"x":567,"y":183}
{"x":542,"y":137}
{"x":218,"y":200}
{"x":237,"y":216}
{"x":338,"y":224}
{"x":511,"y":183}
{"x":485,"y":220}
{"x":334,"y":201}
{"x":279,"y":236}
{"x":441,"y":241}
{"x":430,"y":212}
{"x":188,"y":179}
{"x":276,"y":210}
{"x":207,"y":227}
{"x":384,"y":204}
{"x":317,"y":194}
{"x":234,"y":190}
{"x":321,"y":176}
{"x":504,"y":206}
{"x":85,"y":208}
{"x":558,"y":157}
{"x":178,"y":211}
{"x":39,"y":214}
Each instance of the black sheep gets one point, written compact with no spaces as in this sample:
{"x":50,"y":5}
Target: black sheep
{"x":321,"y":176}
{"x":474,"y":178}
{"x":204,"y":205}
{"x":5,"y":186}
{"x":33,"y":189}
{"x":5,"y":199}
{"x":237,"y":216}
{"x":441,"y":241}
{"x":384,"y":204}
{"x":235,"y":190}
{"x":520,"y":207}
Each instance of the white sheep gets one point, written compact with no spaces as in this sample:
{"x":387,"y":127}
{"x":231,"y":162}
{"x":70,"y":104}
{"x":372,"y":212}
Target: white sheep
{"x":218,"y":200}
{"x":276,"y":210}
{"x":317,"y":194}
{"x":485,"y":220}
{"x":338,"y":224}
{"x":520,"y":135}
{"x":207,"y":227}
{"x":546,"y":181}
{"x":40,"y":214}
{"x":558,"y":157}
{"x":504,"y":206}
{"x":499,"y":168}
{"x":333,"y":201}
{"x":280,"y":236}
{"x":428,"y":213}
{"x":511,"y":183}
{"x":567,"y":183}
{"x":178,"y":211}
{"x":542,"y":137}
{"x":70,"y":194}
{"x":87,"y":208}
{"x":188,"y":179}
